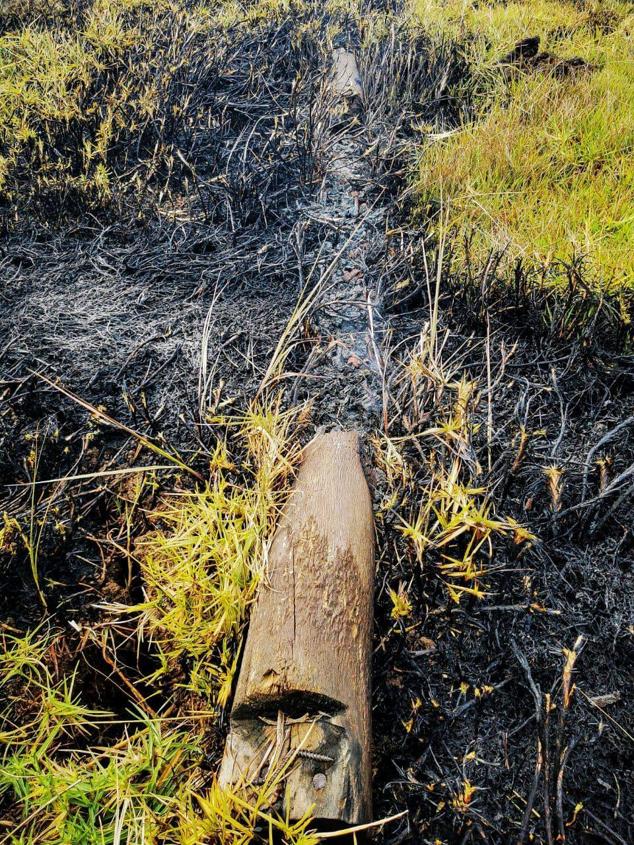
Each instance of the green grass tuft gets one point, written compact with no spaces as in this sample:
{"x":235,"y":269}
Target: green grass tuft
{"x":63,"y":779}
{"x":546,"y":169}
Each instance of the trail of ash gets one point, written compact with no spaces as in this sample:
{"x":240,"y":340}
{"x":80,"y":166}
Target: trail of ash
{"x":345,"y":368}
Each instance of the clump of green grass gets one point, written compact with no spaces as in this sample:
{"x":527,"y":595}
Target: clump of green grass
{"x":545,"y":171}
{"x":202,"y":565}
{"x":233,"y":816}
{"x":60,"y":793}
{"x":444,"y":508}
{"x":148,"y":788}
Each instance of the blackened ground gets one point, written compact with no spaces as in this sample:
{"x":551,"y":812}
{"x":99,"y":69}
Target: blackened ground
{"x":162,"y":316}
{"x":453,"y":702}
{"x":159,"y":314}
{"x":456,"y":686}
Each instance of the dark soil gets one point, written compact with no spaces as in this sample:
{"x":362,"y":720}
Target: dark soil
{"x":575,"y":581}
{"x":160,"y":316}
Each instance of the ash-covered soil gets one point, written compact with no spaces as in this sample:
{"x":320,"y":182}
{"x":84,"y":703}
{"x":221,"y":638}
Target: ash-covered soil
{"x":169,"y":314}
{"x":469,"y":698}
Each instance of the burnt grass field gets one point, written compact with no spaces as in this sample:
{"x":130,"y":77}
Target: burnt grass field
{"x":501,"y":712}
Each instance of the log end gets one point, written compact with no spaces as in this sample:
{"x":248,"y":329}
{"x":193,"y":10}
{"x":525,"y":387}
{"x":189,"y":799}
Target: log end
{"x":320,"y":768}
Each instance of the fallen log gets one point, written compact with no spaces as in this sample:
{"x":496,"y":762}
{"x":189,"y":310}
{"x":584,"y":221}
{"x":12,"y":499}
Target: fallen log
{"x":302,"y":702}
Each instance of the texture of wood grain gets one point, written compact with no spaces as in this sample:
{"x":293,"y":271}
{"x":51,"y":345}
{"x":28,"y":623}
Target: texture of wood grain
{"x":304,"y":683}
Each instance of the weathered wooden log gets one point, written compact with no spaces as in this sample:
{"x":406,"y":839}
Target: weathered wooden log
{"x":302,"y":701}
